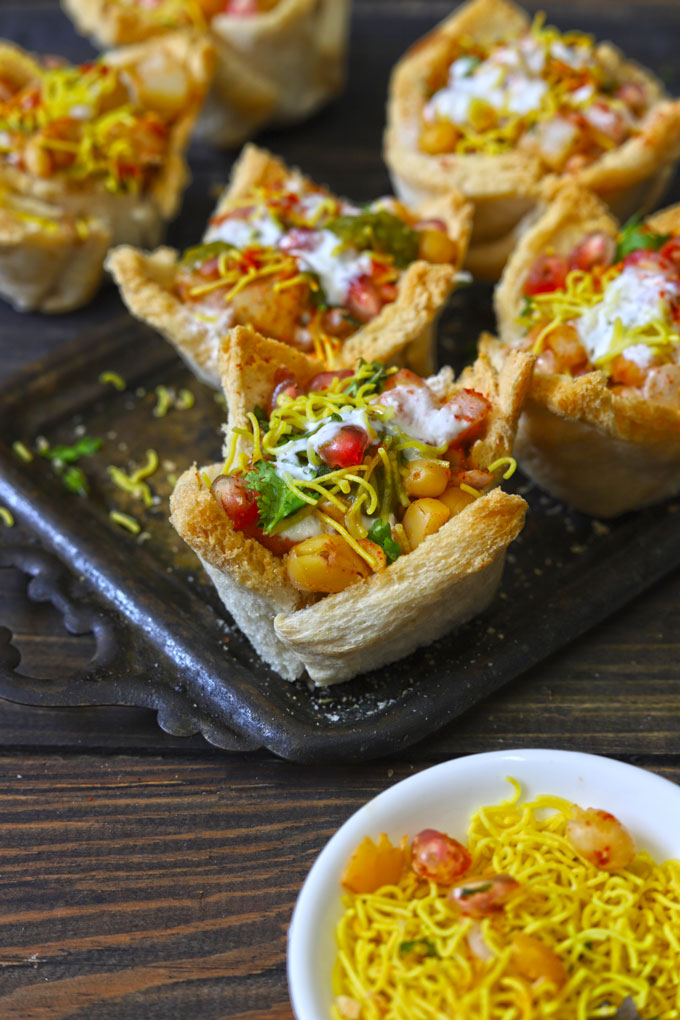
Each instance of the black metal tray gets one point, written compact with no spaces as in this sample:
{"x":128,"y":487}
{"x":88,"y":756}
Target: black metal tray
{"x":164,"y":641}
{"x":162,"y":638}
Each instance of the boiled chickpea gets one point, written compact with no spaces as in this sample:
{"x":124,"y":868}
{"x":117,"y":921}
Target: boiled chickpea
{"x":436,"y":246}
{"x":425,"y":477}
{"x":424,"y":517}
{"x":438,"y":137}
{"x":325,"y":563}
{"x":456,"y":499}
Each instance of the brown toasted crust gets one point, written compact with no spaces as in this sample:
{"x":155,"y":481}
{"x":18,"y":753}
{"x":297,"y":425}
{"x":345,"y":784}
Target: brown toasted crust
{"x":592,"y":468}
{"x":133,"y":218}
{"x":109,"y":24}
{"x":505,"y":187}
{"x":602,"y":451}
{"x":451,"y":576}
{"x":566,"y":213}
{"x":45,"y":265}
{"x":448,"y":579}
{"x":203,"y":525}
{"x":402,"y":333}
{"x":506,"y":391}
{"x":248,"y":366}
{"x":146,"y":284}
{"x":666,"y":221}
{"x":278,"y":66}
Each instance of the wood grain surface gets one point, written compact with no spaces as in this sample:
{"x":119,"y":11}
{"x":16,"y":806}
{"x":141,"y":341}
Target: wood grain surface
{"x":150,"y":877}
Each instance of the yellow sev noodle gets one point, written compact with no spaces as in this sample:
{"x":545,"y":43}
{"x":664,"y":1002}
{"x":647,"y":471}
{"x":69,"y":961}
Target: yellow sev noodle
{"x":617,"y":933}
{"x":581,"y":291}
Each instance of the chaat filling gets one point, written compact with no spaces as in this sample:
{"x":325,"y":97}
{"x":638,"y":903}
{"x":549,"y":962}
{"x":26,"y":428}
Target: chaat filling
{"x":547,"y":911}
{"x":304,"y":267}
{"x":193,"y":13}
{"x":38,"y":218}
{"x":546,"y":93}
{"x":611,"y":304}
{"x":93,"y":122}
{"x":346,"y":475}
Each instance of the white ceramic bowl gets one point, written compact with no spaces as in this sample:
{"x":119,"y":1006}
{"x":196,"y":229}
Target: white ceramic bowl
{"x":444,"y":797}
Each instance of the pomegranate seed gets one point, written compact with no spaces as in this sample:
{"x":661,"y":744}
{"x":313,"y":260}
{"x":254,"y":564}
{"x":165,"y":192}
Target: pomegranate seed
{"x":363,"y":300}
{"x":236,"y":499}
{"x":548,"y":273}
{"x":671,"y":251}
{"x":597,"y":249}
{"x":285,"y":384}
{"x":439,"y":857}
{"x":323,"y":380}
{"x":471,"y":407}
{"x":336,"y":323}
{"x":346,"y":448}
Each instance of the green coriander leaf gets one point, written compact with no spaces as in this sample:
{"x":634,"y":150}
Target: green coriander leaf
{"x":202,"y":252}
{"x":381,"y":534}
{"x":471,"y":890}
{"x":261,"y":415}
{"x":275,"y":501}
{"x":423,"y":946}
{"x":376,"y":379}
{"x":635,"y":235}
{"x":84,"y":447}
{"x":75,"y":481}
{"x":317,"y":295}
{"x":527,"y":305}
{"x":378,"y":231}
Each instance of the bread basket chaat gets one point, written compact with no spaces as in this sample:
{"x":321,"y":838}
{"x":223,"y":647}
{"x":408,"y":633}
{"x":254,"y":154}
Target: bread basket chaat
{"x":357,"y":513}
{"x":490,"y":103}
{"x":90,"y":156}
{"x":598,"y":304}
{"x":277,"y":60}
{"x":330,"y":279}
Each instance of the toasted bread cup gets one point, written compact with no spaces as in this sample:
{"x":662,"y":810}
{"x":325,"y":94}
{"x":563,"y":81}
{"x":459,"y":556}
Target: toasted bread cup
{"x":447,"y":579}
{"x":504,"y":186}
{"x":166,"y":78}
{"x":48,"y":262}
{"x":401,"y":333}
{"x":273,"y":67}
{"x":604,"y":450}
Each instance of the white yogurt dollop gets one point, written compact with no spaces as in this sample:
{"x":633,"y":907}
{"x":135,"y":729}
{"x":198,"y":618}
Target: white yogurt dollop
{"x":635,"y":298}
{"x":263,"y":230}
{"x":416,"y":413}
{"x":286,"y":456}
{"x":336,"y":267}
{"x":508,"y":80}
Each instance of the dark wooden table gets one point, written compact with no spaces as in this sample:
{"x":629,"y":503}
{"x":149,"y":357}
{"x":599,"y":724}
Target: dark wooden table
{"x":145,"y":877}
